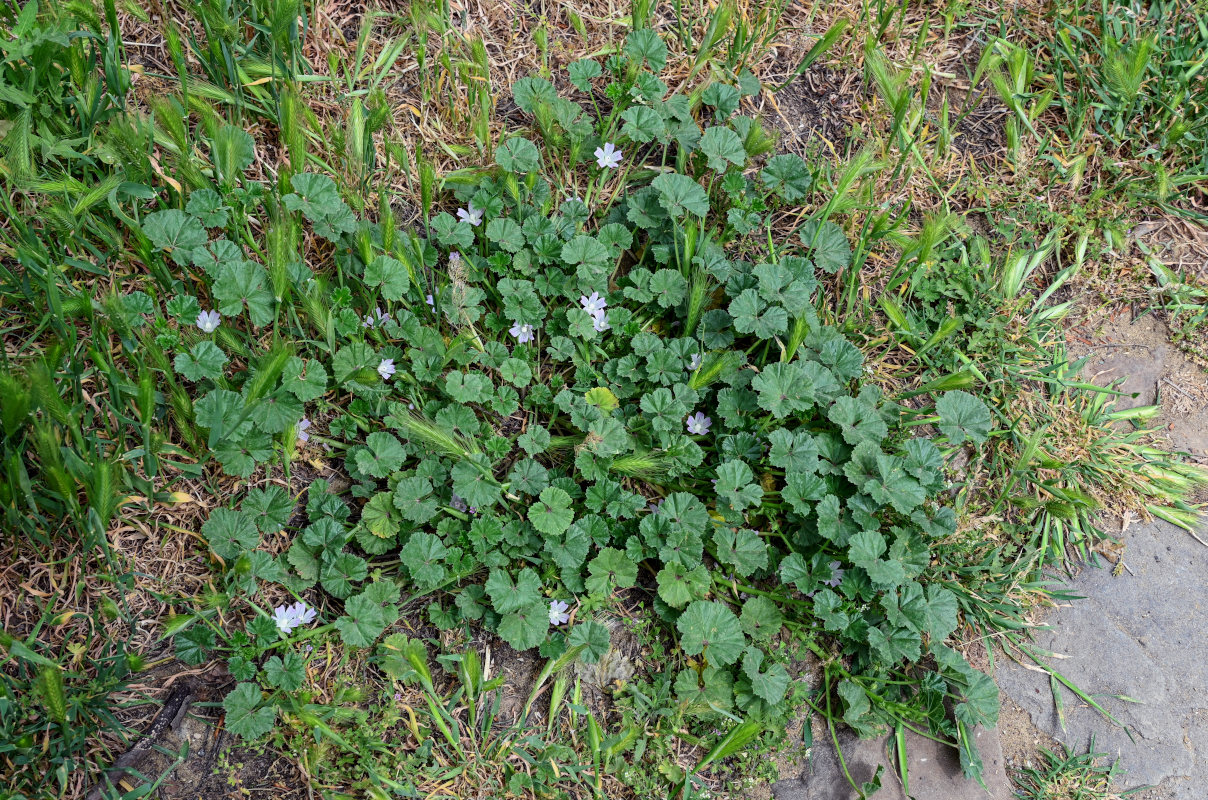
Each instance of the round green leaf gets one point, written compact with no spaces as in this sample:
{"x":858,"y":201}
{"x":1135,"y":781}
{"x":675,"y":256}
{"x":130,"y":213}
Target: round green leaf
{"x":551,"y":514}
{"x":680,"y":195}
{"x":711,"y":629}
{"x":787,"y":176}
{"x":270,"y":508}
{"x":176,"y":231}
{"x":769,"y":685}
{"x":963,"y":416}
{"x":526,"y":627}
{"x":230,"y":533}
{"x":593,"y":637}
{"x":722,"y":147}
{"x":518,"y":155}
{"x":761,"y":618}
{"x":244,"y":716}
{"x":339,"y":574}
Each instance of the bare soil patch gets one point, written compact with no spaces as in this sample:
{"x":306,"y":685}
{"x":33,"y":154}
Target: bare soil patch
{"x":1138,"y":352}
{"x":815,"y":109}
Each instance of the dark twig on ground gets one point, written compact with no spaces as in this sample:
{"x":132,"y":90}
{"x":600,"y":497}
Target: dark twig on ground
{"x":175,"y":707}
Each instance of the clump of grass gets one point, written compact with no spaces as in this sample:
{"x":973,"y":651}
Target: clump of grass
{"x":1065,"y":775}
{"x":1185,"y":302}
{"x":1089,"y":457}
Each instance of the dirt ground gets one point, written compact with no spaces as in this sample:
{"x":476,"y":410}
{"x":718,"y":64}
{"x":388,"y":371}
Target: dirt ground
{"x":1021,"y":741}
{"x":1138,"y":350}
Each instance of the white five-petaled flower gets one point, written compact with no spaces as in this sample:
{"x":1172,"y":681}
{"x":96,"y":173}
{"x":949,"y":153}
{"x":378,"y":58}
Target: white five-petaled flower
{"x":386,"y":368}
{"x":523,"y":333}
{"x":599,"y":321}
{"x":694,"y":362}
{"x":593,"y":305}
{"x":290,"y":617}
{"x":699,"y":424}
{"x":558,"y":612}
{"x":303,"y":436}
{"x":470,"y":214}
{"x":376,"y":318}
{"x":608,"y":156}
{"x":208,"y":321}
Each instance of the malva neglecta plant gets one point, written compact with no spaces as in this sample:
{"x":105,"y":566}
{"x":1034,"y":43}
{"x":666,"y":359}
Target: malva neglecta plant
{"x":602,"y":375}
{"x":578,"y":377}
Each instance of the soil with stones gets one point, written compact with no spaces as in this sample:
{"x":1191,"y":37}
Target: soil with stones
{"x":189,"y":752}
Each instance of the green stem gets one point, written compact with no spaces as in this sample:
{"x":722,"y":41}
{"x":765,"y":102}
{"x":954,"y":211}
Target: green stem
{"x":310,"y":633}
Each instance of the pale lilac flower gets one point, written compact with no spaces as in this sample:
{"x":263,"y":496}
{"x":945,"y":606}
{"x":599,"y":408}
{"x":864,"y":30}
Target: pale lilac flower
{"x":836,"y":574}
{"x":386,"y":368}
{"x":593,"y":305}
{"x":470,"y":214}
{"x":376,"y":318}
{"x":694,"y":362}
{"x":699,"y":424}
{"x":208,"y":321}
{"x":608,"y":156}
{"x":303,"y":436}
{"x":430,"y":301}
{"x":599,"y":321}
{"x":290,"y":617}
{"x":523,"y":333}
{"x":558,"y":612}
{"x":457,"y":503}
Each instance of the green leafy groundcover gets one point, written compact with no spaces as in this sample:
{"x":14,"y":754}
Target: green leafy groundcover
{"x":562,"y":398}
